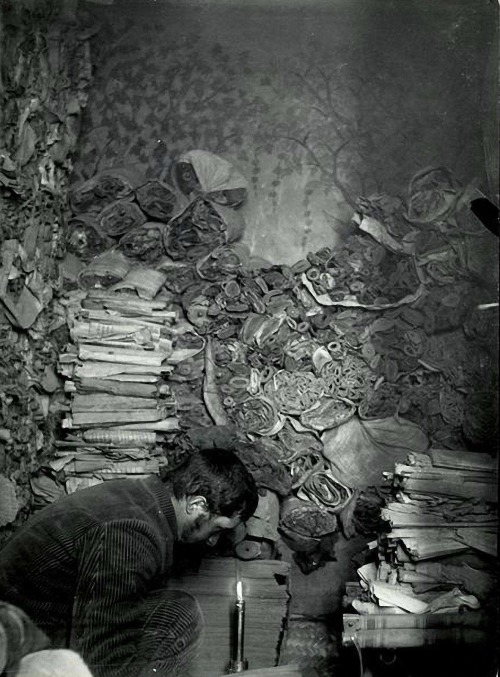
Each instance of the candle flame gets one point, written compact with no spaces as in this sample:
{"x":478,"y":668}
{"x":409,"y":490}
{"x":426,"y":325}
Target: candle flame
{"x":239,"y":591}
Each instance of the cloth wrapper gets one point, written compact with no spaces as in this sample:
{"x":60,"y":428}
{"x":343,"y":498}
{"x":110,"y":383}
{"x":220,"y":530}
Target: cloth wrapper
{"x":213,"y":172}
{"x":360,"y":451}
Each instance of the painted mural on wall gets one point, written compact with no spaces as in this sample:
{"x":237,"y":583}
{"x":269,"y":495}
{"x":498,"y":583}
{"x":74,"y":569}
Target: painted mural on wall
{"x":311,"y":134}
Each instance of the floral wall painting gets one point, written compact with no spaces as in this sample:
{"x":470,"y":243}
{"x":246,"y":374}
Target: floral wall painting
{"x":312,"y":126}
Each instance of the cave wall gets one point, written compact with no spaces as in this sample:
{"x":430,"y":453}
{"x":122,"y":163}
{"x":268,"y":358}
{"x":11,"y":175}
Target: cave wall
{"x":315,"y":104}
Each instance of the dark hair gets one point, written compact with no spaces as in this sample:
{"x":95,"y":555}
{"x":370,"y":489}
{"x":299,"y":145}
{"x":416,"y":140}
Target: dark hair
{"x":220,"y":477}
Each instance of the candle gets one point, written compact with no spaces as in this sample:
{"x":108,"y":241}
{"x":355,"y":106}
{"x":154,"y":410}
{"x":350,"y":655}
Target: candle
{"x":240,"y":612}
{"x":239,"y":664}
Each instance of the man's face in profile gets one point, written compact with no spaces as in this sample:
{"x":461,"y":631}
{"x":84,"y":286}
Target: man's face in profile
{"x":206,"y":527}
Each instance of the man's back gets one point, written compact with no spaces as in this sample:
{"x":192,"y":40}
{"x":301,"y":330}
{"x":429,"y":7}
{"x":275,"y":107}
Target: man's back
{"x":41,"y":564}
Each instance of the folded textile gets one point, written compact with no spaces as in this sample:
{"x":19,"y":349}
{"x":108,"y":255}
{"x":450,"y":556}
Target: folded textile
{"x":360,"y":451}
{"x":201,"y":172}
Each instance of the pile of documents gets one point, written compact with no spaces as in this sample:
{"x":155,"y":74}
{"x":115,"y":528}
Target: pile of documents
{"x":444,"y":504}
{"x":266,"y":594}
{"x":116,"y":369}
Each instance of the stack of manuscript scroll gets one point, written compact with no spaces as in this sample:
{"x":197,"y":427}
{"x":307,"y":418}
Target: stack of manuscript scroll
{"x":116,"y":368}
{"x":433,"y":578}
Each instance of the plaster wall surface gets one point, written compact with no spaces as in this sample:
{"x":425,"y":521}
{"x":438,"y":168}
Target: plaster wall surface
{"x":315,"y":103}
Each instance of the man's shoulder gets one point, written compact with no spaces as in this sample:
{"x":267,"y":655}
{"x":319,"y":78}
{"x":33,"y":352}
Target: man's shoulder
{"x":121,"y":497}
{"x":109,"y":501}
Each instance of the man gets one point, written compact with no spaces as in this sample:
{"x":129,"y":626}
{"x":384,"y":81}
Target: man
{"x":90,"y":569}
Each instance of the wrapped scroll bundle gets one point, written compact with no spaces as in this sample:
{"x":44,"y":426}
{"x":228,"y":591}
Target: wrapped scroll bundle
{"x":85,"y":237}
{"x":200,"y":173}
{"x":200,"y":228}
{"x":105,"y":270}
{"x":224,"y":261}
{"x":320,"y":487}
{"x":144,"y":243}
{"x":348,"y":378}
{"x":120,"y":217}
{"x":213,"y":189}
{"x":258,"y":415}
{"x":327,"y":412}
{"x":432,"y":194}
{"x":158,"y":200}
{"x":303,"y":524}
{"x":93,"y":195}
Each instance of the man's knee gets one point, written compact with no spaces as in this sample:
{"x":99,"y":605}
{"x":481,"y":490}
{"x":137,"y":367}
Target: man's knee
{"x":173,"y":631}
{"x":177,"y":610}
{"x":187,"y":607}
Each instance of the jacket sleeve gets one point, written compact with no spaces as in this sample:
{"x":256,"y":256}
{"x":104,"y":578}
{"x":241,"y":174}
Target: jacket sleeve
{"x":119,"y":563}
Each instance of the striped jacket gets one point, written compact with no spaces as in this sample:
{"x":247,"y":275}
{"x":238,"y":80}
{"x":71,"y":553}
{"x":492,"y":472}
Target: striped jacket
{"x":81,"y":567}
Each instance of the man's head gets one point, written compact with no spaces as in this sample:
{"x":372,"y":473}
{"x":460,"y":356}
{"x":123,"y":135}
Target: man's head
{"x":212,"y":492}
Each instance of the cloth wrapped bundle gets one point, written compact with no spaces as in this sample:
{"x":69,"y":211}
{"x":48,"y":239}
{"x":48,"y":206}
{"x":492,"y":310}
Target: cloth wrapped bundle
{"x":432,"y":195}
{"x":147,"y":282}
{"x":360,"y":451}
{"x":102,"y":189}
{"x":105,"y":270}
{"x":144,"y":243}
{"x":303,"y":523}
{"x":85,"y":238}
{"x":223,"y":261}
{"x":157,"y":200}
{"x":258,"y":415}
{"x":327,"y":412}
{"x":382,"y":402}
{"x":266,"y":468}
{"x":194,"y":233}
{"x":120,"y":217}
{"x":200,"y":229}
{"x":200,"y":173}
{"x":322,"y":488}
{"x":298,"y":443}
{"x":179,"y":275}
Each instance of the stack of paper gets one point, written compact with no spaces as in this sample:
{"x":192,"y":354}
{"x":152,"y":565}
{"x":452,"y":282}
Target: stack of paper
{"x":444,"y":503}
{"x":266,"y":595}
{"x":116,"y":368}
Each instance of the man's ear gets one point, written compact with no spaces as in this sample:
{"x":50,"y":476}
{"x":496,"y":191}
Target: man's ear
{"x":196,"y":505}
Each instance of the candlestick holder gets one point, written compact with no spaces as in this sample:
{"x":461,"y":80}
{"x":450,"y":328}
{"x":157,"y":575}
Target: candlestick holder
{"x":238,"y":666}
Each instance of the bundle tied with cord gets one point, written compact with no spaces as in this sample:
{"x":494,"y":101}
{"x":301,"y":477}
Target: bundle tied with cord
{"x":210,"y":190}
{"x":200,"y":173}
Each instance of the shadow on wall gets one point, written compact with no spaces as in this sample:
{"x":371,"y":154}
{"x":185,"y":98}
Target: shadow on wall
{"x":312,"y":123}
